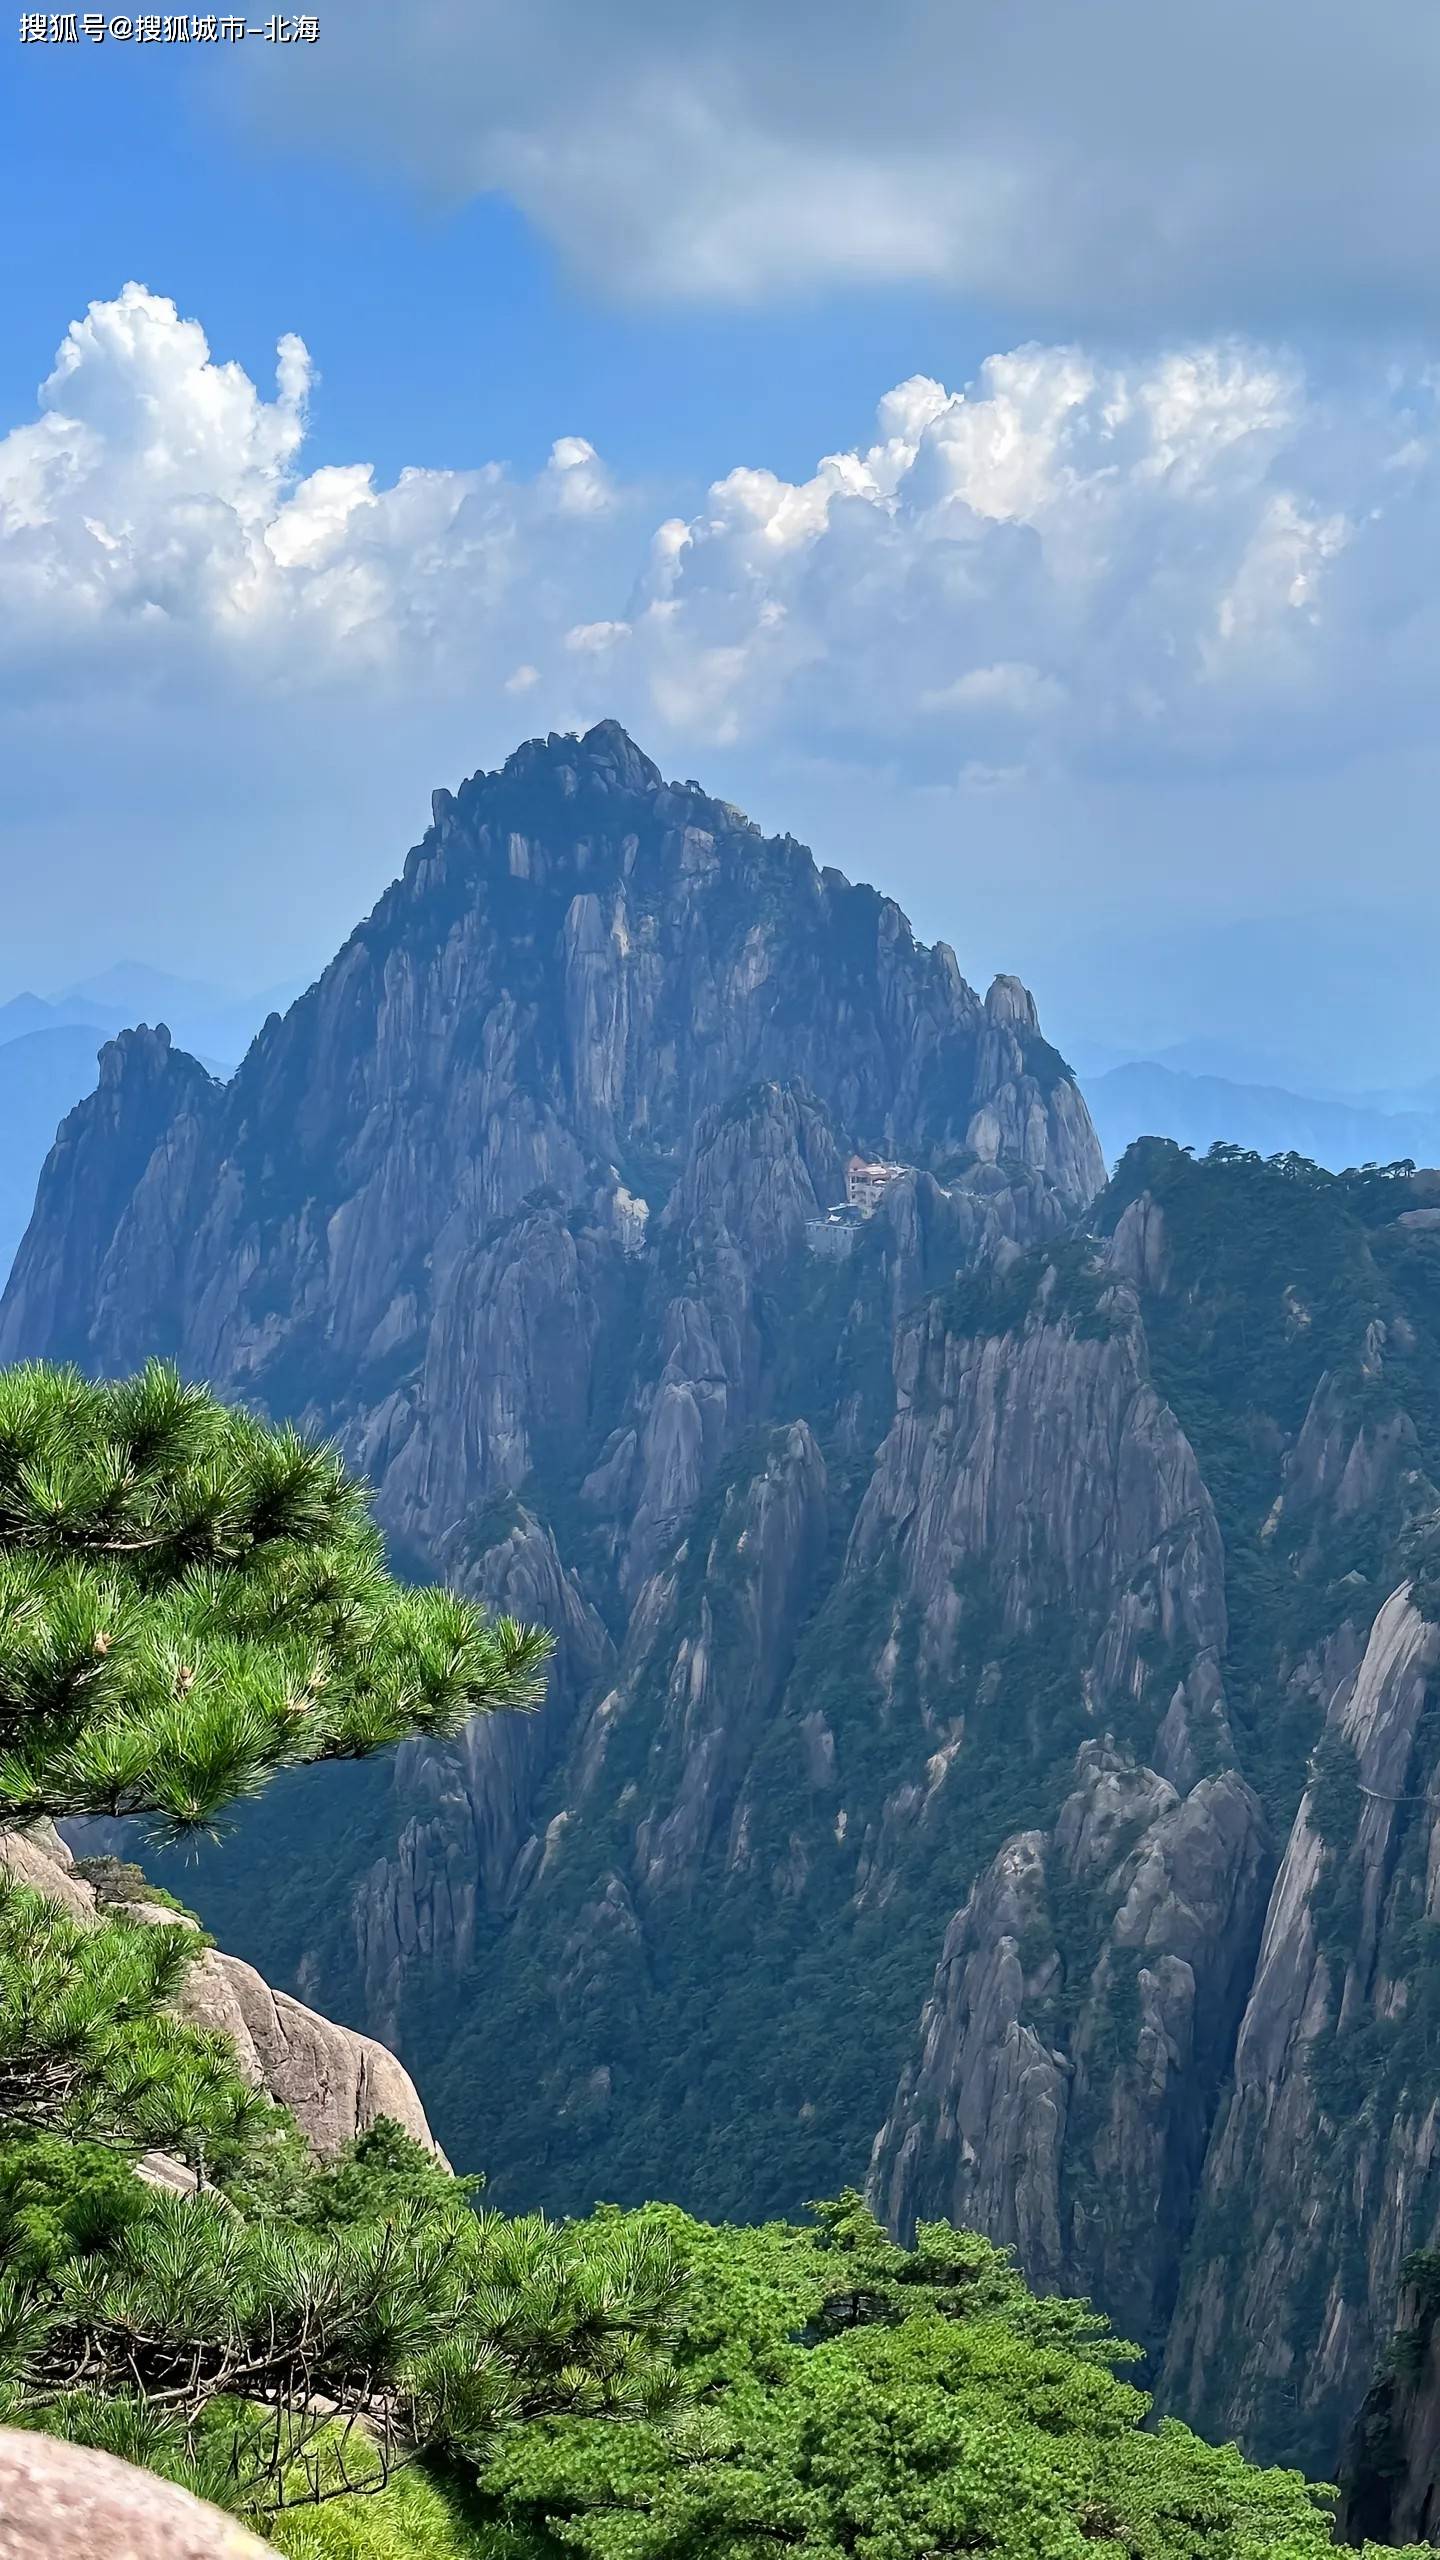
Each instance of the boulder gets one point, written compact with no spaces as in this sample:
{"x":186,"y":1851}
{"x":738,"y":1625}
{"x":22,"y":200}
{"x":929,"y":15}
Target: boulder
{"x":66,"y":2502}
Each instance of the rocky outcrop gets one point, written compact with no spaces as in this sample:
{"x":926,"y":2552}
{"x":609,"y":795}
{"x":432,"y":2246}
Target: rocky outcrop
{"x":719,"y":1631}
{"x":466,"y":1809}
{"x":1041,"y":1461}
{"x":1335,"y":2063}
{"x":121,"y":1160}
{"x":1353,"y":1450}
{"x":1081,"y":2021}
{"x":334,"y":2082}
{"x":38,"y":1858}
{"x":756,"y":1171}
{"x":63,"y":2501}
{"x":1390,"y":2478}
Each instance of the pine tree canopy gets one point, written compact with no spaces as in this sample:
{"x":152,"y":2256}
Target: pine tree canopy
{"x":191,"y":1600}
{"x":89,"y":2047}
{"x":847,"y":2399}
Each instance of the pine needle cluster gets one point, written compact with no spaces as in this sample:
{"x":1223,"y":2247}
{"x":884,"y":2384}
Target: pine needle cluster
{"x":191,"y":1601}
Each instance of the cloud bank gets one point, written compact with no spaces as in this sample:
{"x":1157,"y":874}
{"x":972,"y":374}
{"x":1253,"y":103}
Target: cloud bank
{"x":1069,"y":562}
{"x":1101,"y":160}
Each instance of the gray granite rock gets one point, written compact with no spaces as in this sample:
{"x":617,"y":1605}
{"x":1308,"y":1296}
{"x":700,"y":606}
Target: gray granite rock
{"x":66,"y":2502}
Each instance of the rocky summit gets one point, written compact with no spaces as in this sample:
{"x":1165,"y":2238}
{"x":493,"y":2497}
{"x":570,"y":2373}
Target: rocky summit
{"x":993,"y":1732}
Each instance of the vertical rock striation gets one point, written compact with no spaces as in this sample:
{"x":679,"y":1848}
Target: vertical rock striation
{"x":1326,"y":2162}
{"x":1081,"y":2020}
{"x":960,"y":1631}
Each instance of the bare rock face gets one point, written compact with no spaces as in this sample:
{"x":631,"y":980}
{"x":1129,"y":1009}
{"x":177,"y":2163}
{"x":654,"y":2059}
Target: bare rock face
{"x":466,"y":1809}
{"x":1082,"y":2017}
{"x":1390,"y":2476}
{"x":1332,"y":2066}
{"x":38,"y":1857}
{"x":1044,"y":1459}
{"x":119,"y":1160}
{"x":976,"y":2134}
{"x":763,"y":1553}
{"x":757,"y":1169}
{"x":66,"y":2502}
{"x":334,"y":2082}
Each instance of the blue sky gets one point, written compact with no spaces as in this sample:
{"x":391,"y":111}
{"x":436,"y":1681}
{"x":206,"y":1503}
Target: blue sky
{"x":1107,"y":639}
{"x":121,"y":162}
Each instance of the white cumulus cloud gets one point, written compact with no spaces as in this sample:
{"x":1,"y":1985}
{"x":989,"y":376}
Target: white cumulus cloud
{"x":1071,"y":559}
{"x":156,"y":506}
{"x":1190,"y":556}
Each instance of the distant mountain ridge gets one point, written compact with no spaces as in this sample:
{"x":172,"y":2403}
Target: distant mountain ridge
{"x":49,"y":1047}
{"x":202,"y":1018}
{"x":1144,"y":1099}
{"x":43,"y":1073}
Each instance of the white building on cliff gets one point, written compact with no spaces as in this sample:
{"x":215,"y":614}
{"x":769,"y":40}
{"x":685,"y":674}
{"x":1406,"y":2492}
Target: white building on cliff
{"x":866,"y":1183}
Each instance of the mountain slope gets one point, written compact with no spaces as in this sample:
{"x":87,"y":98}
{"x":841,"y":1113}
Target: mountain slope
{"x":43,"y":1074}
{"x":516,"y":1200}
{"x":948,"y":1606}
{"x":1126,"y":2008}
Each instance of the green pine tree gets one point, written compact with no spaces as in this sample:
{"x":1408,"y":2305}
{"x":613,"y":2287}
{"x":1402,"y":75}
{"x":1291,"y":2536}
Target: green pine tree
{"x":847,"y":2399}
{"x":190,"y":1601}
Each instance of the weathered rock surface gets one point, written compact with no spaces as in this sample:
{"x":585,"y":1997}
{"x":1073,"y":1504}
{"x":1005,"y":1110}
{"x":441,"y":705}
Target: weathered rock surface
{"x":1082,"y":2017}
{"x":1390,"y":2476}
{"x":944,"y":1626}
{"x":724,"y":1661}
{"x":38,"y":1857}
{"x":1334,"y":2064}
{"x":334,"y":2082}
{"x":1044,"y":1459}
{"x":66,"y":2502}
{"x":466,"y":1809}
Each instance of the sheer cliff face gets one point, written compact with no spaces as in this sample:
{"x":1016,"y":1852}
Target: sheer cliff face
{"x":1082,"y":2017}
{"x":955,"y":1617}
{"x":515,"y":1201}
{"x":1337,"y":2062}
{"x":1087,"y":1994}
{"x":1134,"y":2012}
